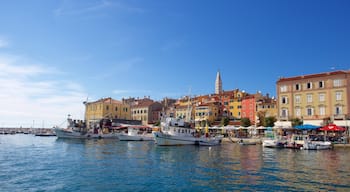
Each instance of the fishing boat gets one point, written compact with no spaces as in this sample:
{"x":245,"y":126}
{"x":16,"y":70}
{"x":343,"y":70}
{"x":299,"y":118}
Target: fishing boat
{"x":136,"y":133}
{"x":175,"y":131}
{"x":78,"y":130}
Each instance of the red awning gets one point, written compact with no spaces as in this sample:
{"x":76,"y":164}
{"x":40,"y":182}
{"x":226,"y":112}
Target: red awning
{"x":332,"y":127}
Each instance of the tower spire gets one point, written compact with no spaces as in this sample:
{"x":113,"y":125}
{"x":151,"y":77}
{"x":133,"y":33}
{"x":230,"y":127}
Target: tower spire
{"x":218,"y":84}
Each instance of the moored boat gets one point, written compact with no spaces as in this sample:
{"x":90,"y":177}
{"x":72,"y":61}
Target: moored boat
{"x":78,"y":130}
{"x":136,"y":133}
{"x":177,"y":132}
{"x":317,"y":145}
{"x":273,"y":143}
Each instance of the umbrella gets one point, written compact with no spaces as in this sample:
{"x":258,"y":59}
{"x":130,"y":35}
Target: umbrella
{"x":306,"y":127}
{"x":332,"y":127}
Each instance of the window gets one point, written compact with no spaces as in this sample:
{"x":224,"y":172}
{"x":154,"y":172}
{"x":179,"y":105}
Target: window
{"x":284,"y":113}
{"x":322,"y":110}
{"x":284,"y":100}
{"x":309,"y":85}
{"x":338,"y":96}
{"x":321,"y":97}
{"x":107,"y":107}
{"x":297,"y":99}
{"x":321,"y":84}
{"x":336,"y":82}
{"x":338,"y":110}
{"x":297,"y":87}
{"x":298,"y":112}
{"x":309,"y":111}
{"x":283,"y":88}
{"x":116,"y":108}
{"x":309,"y":98}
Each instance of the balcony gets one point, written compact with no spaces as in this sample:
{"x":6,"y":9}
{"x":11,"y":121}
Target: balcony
{"x":283,"y":118}
{"x":339,"y":116}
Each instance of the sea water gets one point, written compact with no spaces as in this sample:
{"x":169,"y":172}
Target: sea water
{"x":32,"y":163}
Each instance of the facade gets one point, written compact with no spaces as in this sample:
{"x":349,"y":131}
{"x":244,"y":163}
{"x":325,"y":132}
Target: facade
{"x":249,"y":108}
{"x":232,"y":102}
{"x":314,"y":98}
{"x":207,"y":112}
{"x":147,"y":111}
{"x":267,"y":105}
{"x":106,"y":108}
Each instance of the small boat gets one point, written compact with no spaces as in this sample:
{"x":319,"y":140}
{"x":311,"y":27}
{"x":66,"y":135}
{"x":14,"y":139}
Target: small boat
{"x":210,"y":141}
{"x":136,"y":133}
{"x":317,"y":145}
{"x":176,"y":131}
{"x":247,"y":142}
{"x":78,"y":130}
{"x":273,"y":143}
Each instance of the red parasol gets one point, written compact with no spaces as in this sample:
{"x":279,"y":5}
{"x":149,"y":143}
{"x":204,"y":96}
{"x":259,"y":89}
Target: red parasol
{"x":332,"y":127}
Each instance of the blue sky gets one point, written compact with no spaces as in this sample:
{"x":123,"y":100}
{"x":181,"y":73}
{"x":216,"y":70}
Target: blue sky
{"x":55,"y":54}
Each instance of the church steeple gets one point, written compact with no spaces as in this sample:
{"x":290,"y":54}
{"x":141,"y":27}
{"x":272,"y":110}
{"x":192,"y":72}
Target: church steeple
{"x":218,"y":84}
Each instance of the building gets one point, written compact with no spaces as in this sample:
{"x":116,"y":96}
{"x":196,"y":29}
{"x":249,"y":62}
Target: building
{"x":218,"y":84}
{"x":106,"y":108}
{"x":207,"y":112}
{"x":314,"y":98}
{"x":147,"y":111}
{"x":249,"y":108}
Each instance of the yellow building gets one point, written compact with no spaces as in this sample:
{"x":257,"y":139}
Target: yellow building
{"x":208,"y":111}
{"x":106,"y":108}
{"x":147,"y":111}
{"x":314,"y":97}
{"x":235,"y":106}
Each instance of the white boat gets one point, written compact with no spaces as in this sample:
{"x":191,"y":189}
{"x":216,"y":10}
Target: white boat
{"x":247,"y":142}
{"x":136,"y":133}
{"x":317,"y":145}
{"x":76,"y":130}
{"x":210,"y":141}
{"x":273,"y":143}
{"x":177,"y":132}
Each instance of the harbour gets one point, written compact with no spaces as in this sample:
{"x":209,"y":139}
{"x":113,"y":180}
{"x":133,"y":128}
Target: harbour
{"x":30,"y":163}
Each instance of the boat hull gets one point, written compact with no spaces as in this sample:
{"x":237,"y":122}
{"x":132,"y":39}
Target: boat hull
{"x":62,"y":133}
{"x":125,"y":137}
{"x":165,"y":139}
{"x":314,"y":145}
{"x":273,"y":144}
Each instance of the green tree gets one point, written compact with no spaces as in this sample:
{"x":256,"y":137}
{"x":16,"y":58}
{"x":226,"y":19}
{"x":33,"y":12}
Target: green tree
{"x":270,"y":121}
{"x":157,"y":123}
{"x":245,"y":122}
{"x":224,"y":121}
{"x":203,"y":123}
{"x":261,"y":116}
{"x":296,"y":121}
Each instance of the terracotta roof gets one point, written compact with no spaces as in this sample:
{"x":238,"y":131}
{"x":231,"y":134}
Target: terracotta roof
{"x":145,"y":103}
{"x":106,"y":100}
{"x":313,"y":75}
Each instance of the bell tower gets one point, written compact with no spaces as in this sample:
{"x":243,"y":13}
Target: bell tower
{"x":218,"y":84}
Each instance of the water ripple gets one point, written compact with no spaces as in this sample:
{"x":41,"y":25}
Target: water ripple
{"x":29,"y":163}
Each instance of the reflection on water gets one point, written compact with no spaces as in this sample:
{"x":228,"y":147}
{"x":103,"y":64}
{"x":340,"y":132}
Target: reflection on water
{"x":46,"y":163}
